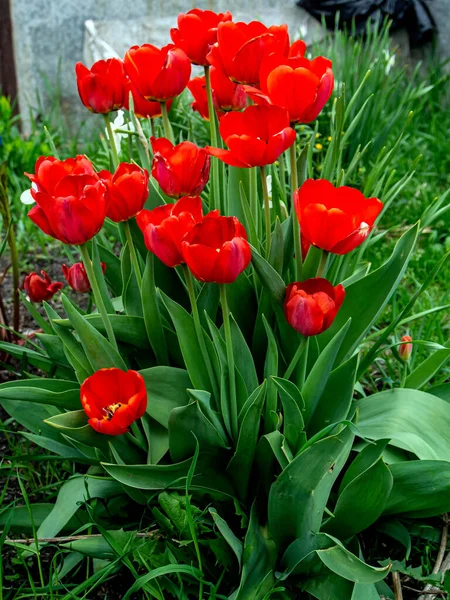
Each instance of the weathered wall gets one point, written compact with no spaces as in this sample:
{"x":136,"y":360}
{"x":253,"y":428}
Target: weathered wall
{"x":49,"y":35}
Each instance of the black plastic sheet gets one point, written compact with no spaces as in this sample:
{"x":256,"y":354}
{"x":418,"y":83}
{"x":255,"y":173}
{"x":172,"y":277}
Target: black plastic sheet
{"x":412,"y":15}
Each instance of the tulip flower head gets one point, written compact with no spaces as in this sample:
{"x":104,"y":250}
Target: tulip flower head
{"x":311,"y":306}
{"x":40,"y":288}
{"x":127,"y":189}
{"x":113,"y":399}
{"x":216,"y":250}
{"x":255,"y":137}
{"x":102,"y":87}
{"x":159,"y":74}
{"x":405,"y":349}
{"x":165,"y":226}
{"x":75,"y":212}
{"x":143,"y":109}
{"x":49,"y":171}
{"x":334,"y":219}
{"x":227,"y":96}
{"x":241,"y":47}
{"x":181,"y":170}
{"x":197,"y":32}
{"x":299,"y":85}
{"x":77,"y":278}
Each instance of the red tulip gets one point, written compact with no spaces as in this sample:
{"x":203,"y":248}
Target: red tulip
{"x":101,"y":88}
{"x":197,"y":87}
{"x":165,"y":226}
{"x":76,"y":210}
{"x":216,"y":250}
{"x":113,"y":399}
{"x":227,"y":96}
{"x":143,"y":109}
{"x":241,"y":47}
{"x":40,"y":288}
{"x":181,"y":170}
{"x":299,"y":85}
{"x":49,"y":171}
{"x":405,"y":349}
{"x":77,"y":278}
{"x":158,"y":74}
{"x":128,"y":191}
{"x":311,"y":306}
{"x":255,"y":137}
{"x":197,"y":32}
{"x":334,"y":219}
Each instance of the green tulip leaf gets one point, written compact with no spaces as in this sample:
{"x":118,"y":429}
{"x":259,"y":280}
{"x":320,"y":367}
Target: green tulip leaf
{"x":167,"y":389}
{"x":55,"y":392}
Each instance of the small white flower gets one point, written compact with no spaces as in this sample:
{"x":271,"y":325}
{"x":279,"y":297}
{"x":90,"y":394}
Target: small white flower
{"x":26,"y":197}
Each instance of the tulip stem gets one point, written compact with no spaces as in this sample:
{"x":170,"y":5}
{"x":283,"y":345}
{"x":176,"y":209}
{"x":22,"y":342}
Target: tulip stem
{"x":216,"y":200}
{"x":266,"y":210}
{"x":295,"y":224}
{"x":322,"y":264}
{"x":230,"y":361}
{"x":112,"y":142}
{"x":298,"y":354}
{"x":168,"y":131}
{"x":97,"y":295}
{"x":199,"y":331}
{"x":133,"y":254}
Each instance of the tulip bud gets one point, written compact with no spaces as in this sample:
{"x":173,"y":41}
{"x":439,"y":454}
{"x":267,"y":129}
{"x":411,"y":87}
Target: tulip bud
{"x":405,"y":349}
{"x":40,"y":288}
{"x":77,"y":278}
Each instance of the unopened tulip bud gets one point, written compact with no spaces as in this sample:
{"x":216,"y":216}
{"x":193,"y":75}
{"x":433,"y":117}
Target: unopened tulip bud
{"x":405,"y":348}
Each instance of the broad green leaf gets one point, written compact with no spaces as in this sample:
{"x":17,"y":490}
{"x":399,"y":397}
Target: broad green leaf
{"x":320,"y":372}
{"x":127,"y":329}
{"x":131,"y":296}
{"x":441,"y":391}
{"x":429,"y":367}
{"x":329,"y":586}
{"x":366,"y":458}
{"x":396,"y":530}
{"x":74,"y":425}
{"x":234,"y":542}
{"x":76,"y":490}
{"x":159,"y":477}
{"x":269,"y":277}
{"x":270,"y":370}
{"x":362,"y":501}
{"x":345,"y":564}
{"x":335,"y":402}
{"x":65,"y":450}
{"x":366,"y":298}
{"x":240,"y":465}
{"x":421,"y":489}
{"x":36,"y":359}
{"x":55,"y":392}
{"x":190,"y":348}
{"x":152,"y":315}
{"x":157,"y":439}
{"x":101,"y":278}
{"x":33,"y":417}
{"x":166,"y":389}
{"x":305,"y":482}
{"x":293,"y":424}
{"x":113,"y":274}
{"x":188,"y":426}
{"x":98,"y":349}
{"x":414,"y":421}
{"x":21,"y":521}
{"x":243,"y":358}
{"x":259,"y":558}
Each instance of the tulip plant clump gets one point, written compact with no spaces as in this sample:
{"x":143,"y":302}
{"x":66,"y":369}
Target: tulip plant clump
{"x":215,"y":390}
